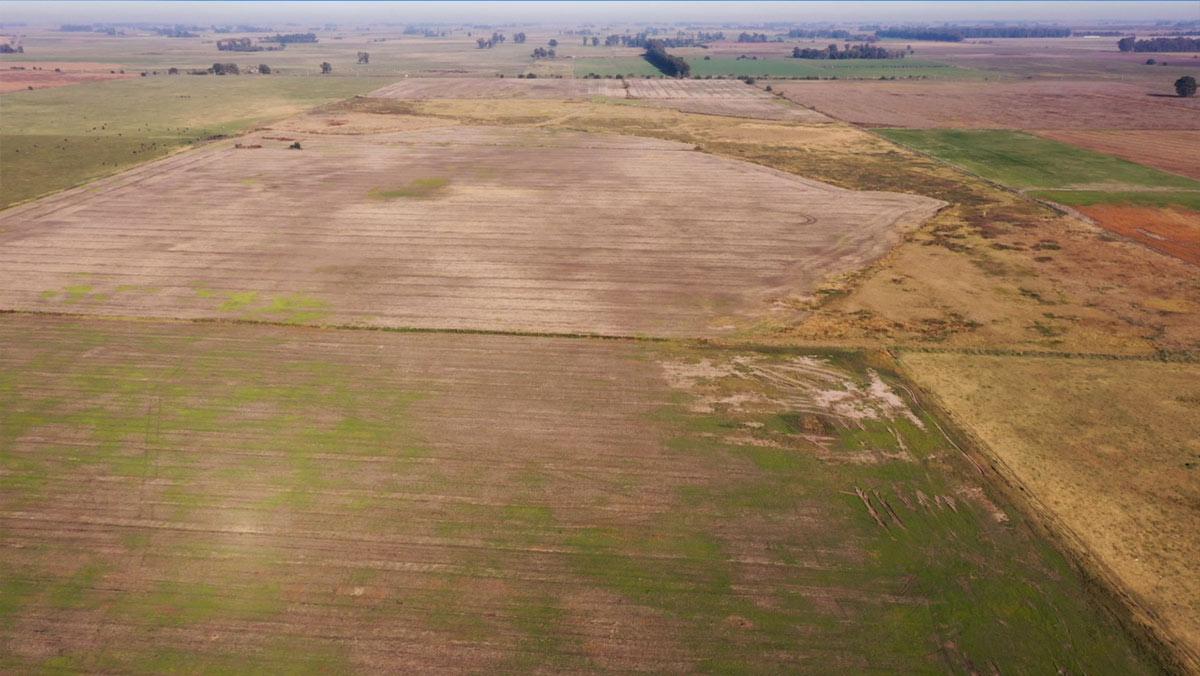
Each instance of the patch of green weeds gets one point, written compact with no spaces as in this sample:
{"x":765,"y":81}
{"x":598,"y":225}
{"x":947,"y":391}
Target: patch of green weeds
{"x":420,"y":188}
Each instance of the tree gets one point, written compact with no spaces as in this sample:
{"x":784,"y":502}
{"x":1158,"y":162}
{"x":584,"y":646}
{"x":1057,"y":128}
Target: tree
{"x":264,"y":69}
{"x":326,"y":68}
{"x":553,"y":42}
{"x":364,"y":57}
{"x":1186,"y":86}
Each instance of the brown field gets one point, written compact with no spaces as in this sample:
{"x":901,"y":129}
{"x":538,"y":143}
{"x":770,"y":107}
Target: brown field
{"x":1059,"y":59}
{"x":712,"y":97}
{"x":498,"y":88}
{"x":1170,"y":230}
{"x":732,"y":98}
{"x":16,"y":76}
{"x":1174,"y":151}
{"x":203,"y":497}
{"x":1017,"y":105}
{"x":458,"y":228}
{"x":1108,"y":450}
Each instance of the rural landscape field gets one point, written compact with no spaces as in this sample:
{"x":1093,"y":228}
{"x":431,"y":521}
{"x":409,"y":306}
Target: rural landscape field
{"x":599,"y":337}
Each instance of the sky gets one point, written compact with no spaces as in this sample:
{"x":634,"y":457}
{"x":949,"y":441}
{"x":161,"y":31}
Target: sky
{"x":599,"y":10}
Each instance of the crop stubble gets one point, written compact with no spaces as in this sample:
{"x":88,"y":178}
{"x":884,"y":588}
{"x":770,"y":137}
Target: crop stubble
{"x":533,"y":231}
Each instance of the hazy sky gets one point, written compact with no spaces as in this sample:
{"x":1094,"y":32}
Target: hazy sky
{"x":600,"y":11}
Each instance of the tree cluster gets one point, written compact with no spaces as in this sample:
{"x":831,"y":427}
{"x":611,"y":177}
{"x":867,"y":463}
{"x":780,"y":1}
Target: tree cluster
{"x":1179,"y":44}
{"x":518,"y":38}
{"x":543,"y":53}
{"x":675,"y":66}
{"x":238,"y":45}
{"x":6,"y":48}
{"x":752,"y":37}
{"x":1186,"y":86}
{"x":225,"y":69}
{"x":848,"y":51}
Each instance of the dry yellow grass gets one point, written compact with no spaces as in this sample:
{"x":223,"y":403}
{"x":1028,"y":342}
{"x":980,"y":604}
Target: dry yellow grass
{"x":1110,"y":450}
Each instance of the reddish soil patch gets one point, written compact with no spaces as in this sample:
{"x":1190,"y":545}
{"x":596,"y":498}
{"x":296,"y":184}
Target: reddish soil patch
{"x":1012,"y":105}
{"x":39,"y":75}
{"x":1173,"y":231}
{"x":1174,"y":151}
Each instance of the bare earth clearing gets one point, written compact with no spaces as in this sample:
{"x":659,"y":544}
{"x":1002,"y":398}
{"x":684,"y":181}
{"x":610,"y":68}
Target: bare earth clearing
{"x":1110,"y":450}
{"x":1016,"y":105}
{"x":198,"y":497}
{"x":457,"y":228}
{"x":1174,"y":151}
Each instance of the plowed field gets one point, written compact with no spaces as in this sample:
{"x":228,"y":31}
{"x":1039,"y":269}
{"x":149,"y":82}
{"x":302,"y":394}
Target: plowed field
{"x":458,"y":228}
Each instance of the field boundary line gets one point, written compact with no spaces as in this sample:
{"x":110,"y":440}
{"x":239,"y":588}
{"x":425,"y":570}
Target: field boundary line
{"x":1164,"y":648}
{"x":713,"y":342}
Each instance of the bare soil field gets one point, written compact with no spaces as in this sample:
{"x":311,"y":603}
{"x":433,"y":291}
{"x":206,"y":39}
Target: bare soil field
{"x":455,"y":228}
{"x":1035,"y":105}
{"x":1173,"y":151}
{"x":1173,"y":231}
{"x":44,"y":75}
{"x":204,"y":497}
{"x":713,"y":97}
{"x":1110,"y":451}
{"x":719,"y":97}
{"x":502,"y":88}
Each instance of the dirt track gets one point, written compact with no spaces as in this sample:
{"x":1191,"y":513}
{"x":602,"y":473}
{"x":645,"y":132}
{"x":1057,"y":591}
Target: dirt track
{"x":527,"y":230}
{"x":1019,"y":105}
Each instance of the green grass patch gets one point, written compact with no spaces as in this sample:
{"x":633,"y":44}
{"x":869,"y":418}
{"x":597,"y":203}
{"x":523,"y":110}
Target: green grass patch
{"x":420,"y":188}
{"x":617,"y":65}
{"x":1025,"y":161}
{"x":61,"y":137}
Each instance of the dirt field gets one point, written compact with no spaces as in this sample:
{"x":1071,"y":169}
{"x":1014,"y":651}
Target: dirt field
{"x":719,"y":97}
{"x":1110,"y":450}
{"x":199,"y":497}
{"x":1016,"y":105}
{"x":458,"y":228}
{"x":1175,"y":232}
{"x":499,"y":88}
{"x":1173,"y":151}
{"x":712,"y":97}
{"x":44,"y":75}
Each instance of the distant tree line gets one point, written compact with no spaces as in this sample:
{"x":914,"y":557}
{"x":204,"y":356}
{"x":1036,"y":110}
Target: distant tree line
{"x":862,"y":51}
{"x":753,"y":37}
{"x":176,"y":31}
{"x":958,"y":33}
{"x":801,"y":33}
{"x":289,"y":38}
{"x":675,"y":66}
{"x":1180,"y":44}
